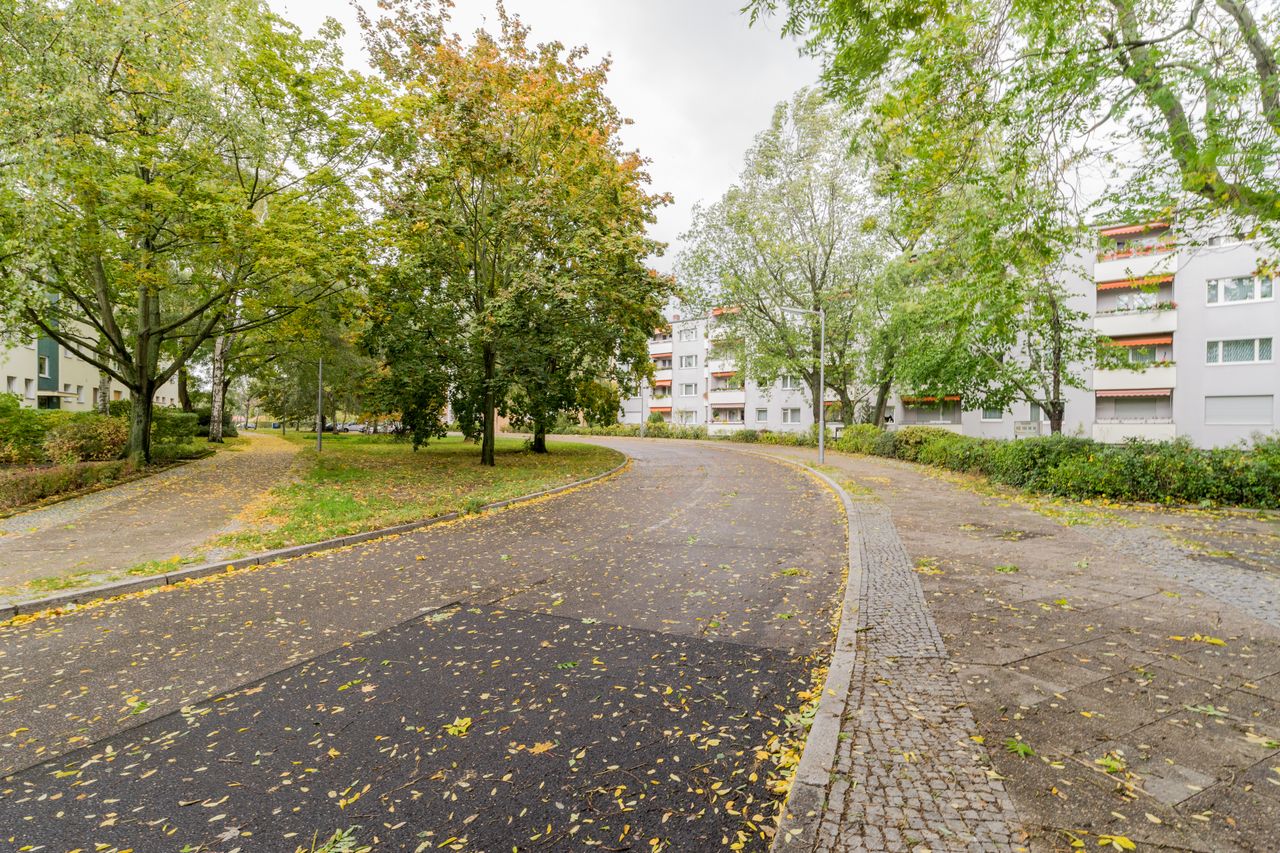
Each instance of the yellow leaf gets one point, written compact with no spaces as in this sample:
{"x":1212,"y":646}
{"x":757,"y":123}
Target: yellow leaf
{"x":1119,"y":842}
{"x":541,"y":747}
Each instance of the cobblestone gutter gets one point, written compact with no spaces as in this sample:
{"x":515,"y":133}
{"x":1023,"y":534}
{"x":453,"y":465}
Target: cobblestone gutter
{"x":893,"y":761}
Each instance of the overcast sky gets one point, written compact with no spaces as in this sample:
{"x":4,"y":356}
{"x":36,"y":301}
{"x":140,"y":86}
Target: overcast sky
{"x":696,"y":79}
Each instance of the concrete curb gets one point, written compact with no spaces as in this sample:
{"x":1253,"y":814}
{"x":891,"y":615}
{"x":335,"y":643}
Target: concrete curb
{"x":806,"y":803}
{"x":93,"y":593}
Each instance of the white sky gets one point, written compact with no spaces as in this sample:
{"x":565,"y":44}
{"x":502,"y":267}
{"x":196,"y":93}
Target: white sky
{"x":696,"y":79}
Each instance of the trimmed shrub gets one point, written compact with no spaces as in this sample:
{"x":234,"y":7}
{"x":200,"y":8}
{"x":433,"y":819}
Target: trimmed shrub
{"x":86,"y":437}
{"x":22,"y":432}
{"x":746,"y":436}
{"x":1027,"y":462}
{"x":858,"y":438}
{"x":204,"y":415}
{"x":172,"y":426}
{"x":29,"y":485}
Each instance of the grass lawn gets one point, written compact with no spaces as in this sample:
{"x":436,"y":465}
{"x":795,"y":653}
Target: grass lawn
{"x":364,"y":482}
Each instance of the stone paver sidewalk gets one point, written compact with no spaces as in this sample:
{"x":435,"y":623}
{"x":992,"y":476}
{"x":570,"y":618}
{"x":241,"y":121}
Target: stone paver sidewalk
{"x":154,"y":518}
{"x":1122,"y":683}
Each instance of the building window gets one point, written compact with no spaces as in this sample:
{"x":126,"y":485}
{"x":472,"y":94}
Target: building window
{"x":1258,"y":410}
{"x":684,"y":416}
{"x":1227,"y":239}
{"x":762,"y":415}
{"x":11,"y":384}
{"x":1035,"y":414}
{"x":992,"y":414}
{"x":1139,"y":300}
{"x":790,"y":383}
{"x":44,"y":366}
{"x":791,"y":416}
{"x":726,"y":416}
{"x":29,"y":388}
{"x":1239,"y":351}
{"x":1142,"y":355}
{"x":688,"y":361}
{"x":662,"y":363}
{"x":924,"y":411}
{"x":688,"y":389}
{"x":1252,"y":288}
{"x":116,"y":395}
{"x":689,"y":334}
{"x":79,"y":393}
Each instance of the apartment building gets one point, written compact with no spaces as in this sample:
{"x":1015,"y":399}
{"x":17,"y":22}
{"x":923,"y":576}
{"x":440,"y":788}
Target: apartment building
{"x":45,"y":375}
{"x":1197,"y":319}
{"x":1195,"y":315}
{"x":695,"y":384}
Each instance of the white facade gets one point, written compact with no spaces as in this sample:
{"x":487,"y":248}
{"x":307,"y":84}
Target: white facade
{"x":45,"y":375}
{"x":695,"y":385}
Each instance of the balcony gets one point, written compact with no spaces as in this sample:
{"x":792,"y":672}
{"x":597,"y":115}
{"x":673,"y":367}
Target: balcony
{"x":1163,"y":262}
{"x":727,"y":397}
{"x":1116,"y":431}
{"x":1141,"y":322}
{"x":725,"y":427}
{"x":721,"y":366}
{"x":1162,"y":376}
{"x":663,"y":375}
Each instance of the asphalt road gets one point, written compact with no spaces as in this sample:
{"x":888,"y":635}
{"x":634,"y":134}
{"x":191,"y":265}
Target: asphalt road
{"x":600,"y":669}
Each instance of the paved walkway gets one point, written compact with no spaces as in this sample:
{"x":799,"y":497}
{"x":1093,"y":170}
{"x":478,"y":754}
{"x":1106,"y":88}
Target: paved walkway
{"x":1114,"y":677}
{"x":155,"y":518}
{"x":607,"y":668}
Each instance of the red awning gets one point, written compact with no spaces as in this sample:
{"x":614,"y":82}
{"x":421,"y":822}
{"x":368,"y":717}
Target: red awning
{"x":728,"y":405}
{"x":661,"y":383}
{"x":732,"y":309}
{"x":660,"y":409}
{"x":1138,"y":392}
{"x":950,"y":398}
{"x":1145,"y":281}
{"x":724,"y":373}
{"x":1142,"y":342}
{"x":1119,"y":230}
{"x":660,"y":355}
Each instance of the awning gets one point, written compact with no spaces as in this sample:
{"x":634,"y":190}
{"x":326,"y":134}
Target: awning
{"x":661,"y":409}
{"x":1120,"y":230}
{"x":659,"y":355}
{"x":950,"y":398}
{"x":732,"y":309}
{"x":662,"y":383}
{"x":1138,"y":392}
{"x":724,"y":373}
{"x":1142,"y":342}
{"x":1125,"y":283}
{"x":55,"y":394}
{"x":728,"y":405}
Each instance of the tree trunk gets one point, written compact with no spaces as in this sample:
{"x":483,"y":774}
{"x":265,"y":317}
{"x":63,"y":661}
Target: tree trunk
{"x":184,"y":395}
{"x":539,"y":437}
{"x":882,"y":403}
{"x":490,"y":407}
{"x":104,"y":378}
{"x":140,"y":423}
{"x":846,"y":406}
{"x":1057,"y":412}
{"x":217,"y":403}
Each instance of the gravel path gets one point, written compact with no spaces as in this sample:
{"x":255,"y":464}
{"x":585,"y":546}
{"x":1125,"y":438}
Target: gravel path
{"x":154,"y":518}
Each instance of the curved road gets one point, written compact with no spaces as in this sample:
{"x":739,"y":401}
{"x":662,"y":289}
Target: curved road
{"x":604,"y":667}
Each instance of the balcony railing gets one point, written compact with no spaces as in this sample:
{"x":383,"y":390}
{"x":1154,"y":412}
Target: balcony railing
{"x":1117,"y":254}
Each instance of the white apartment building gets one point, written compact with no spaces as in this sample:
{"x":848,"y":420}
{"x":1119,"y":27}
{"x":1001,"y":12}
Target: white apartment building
{"x":1196,"y":315}
{"x":695,"y":385}
{"x":48,"y":376}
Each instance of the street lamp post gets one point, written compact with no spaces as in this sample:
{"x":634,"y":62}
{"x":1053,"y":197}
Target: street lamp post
{"x":320,"y":405}
{"x":822,"y":378}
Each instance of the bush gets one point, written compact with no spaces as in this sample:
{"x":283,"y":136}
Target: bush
{"x":205,"y":414}
{"x":1027,"y":462}
{"x":22,"y":432}
{"x":858,"y":438}
{"x":656,"y":418}
{"x":171,"y":426}
{"x":120,"y":408}
{"x":747,"y":436}
{"x":33,"y":484}
{"x":86,"y":437}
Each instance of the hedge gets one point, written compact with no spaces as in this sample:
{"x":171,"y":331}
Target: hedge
{"x":1147,"y":471}
{"x":28,"y":485}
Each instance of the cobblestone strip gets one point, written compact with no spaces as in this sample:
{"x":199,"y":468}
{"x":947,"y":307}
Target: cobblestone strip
{"x":1254,"y":592}
{"x":908,"y":773}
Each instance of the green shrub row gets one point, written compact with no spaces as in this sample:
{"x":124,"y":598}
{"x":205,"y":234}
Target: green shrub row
{"x":1144,"y":471}
{"x":38,"y":436}
{"x":651,"y":430}
{"x":25,"y":486}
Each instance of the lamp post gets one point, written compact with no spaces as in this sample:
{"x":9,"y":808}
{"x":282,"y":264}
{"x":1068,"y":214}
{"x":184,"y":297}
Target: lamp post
{"x":320,"y":405}
{"x":822,"y":378}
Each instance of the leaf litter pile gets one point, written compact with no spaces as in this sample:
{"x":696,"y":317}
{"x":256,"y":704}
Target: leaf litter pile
{"x":469,"y":729}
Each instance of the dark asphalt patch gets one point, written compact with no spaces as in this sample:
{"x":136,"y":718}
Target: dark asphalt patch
{"x":501,"y":730}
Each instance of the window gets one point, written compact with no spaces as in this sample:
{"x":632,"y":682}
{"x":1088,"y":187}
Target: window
{"x":688,"y":334}
{"x":1036,"y":413}
{"x":762,"y":415}
{"x":992,"y":414}
{"x":791,"y":416}
{"x":116,"y":395}
{"x":662,"y":363}
{"x":684,"y":416}
{"x":1136,"y":408}
{"x":727,"y":416}
{"x":66,"y":387}
{"x":1255,"y":288}
{"x":1136,"y":301}
{"x":688,"y":389}
{"x":11,"y":384}
{"x":790,"y":383}
{"x":1227,"y":239}
{"x":688,"y":361}
{"x":29,"y":389}
{"x":924,"y":411}
{"x":79,"y":393}
{"x":44,"y":366}
{"x":1142,"y":355}
{"x":1239,"y":351}
{"x":1256,"y":410}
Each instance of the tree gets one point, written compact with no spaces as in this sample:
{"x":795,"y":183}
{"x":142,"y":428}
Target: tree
{"x":188,"y":179}
{"x":1181,"y":97}
{"x":793,"y":233}
{"x":515,"y":221}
